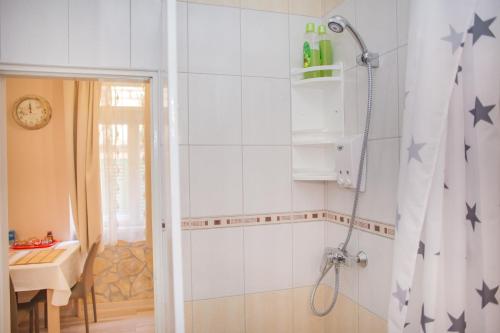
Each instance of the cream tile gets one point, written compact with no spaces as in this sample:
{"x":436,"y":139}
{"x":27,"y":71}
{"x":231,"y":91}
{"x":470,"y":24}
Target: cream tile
{"x":266,"y":111}
{"x":385,"y":120}
{"x":344,"y":317}
{"x":267,"y":5}
{"x":308,"y":248}
{"x":214,"y":109}
{"x":329,"y":5}
{"x":182,"y":84}
{"x":264,"y":44}
{"x":184,"y":179}
{"x":182,"y":37}
{"x":216,"y":181}
{"x":217,"y":262}
{"x":306,"y":7}
{"x":378,"y":272}
{"x":297,"y":31}
{"x":304,"y":321}
{"x":188,"y":317}
{"x":269,"y":312}
{"x":266,"y":179}
{"x":308,"y":195}
{"x":214,"y":39}
{"x":377,"y":23}
{"x":231,"y":3}
{"x":371,"y":323}
{"x":268,"y":257}
{"x":379,"y":201}
{"x":186,"y":264}
{"x":219,"y":315}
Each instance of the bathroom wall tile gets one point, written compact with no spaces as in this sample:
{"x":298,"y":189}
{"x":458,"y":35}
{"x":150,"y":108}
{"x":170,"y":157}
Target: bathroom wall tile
{"x":377,"y":23}
{"x":34,"y":32}
{"x":231,"y":3}
{"x":308,"y":195}
{"x":214,"y":109}
{"x":306,"y":7}
{"x":379,"y":201}
{"x":403,"y":12}
{"x":217,"y":262}
{"x":226,"y":314}
{"x":186,"y":263}
{"x":344,"y":317}
{"x":266,"y":5}
{"x":385,"y":122}
{"x":371,"y":323}
{"x":265,"y":45}
{"x":349,"y":279}
{"x":182,"y":109}
{"x":351,"y":121}
{"x":308,"y":247}
{"x":345,"y":48}
{"x":304,"y":321}
{"x":266,"y":111}
{"x":297,"y":31}
{"x":99,"y":33}
{"x":339,"y":199}
{"x":329,"y":5}
{"x":182,"y":37}
{"x":266,"y":179}
{"x":219,"y":54}
{"x":188,"y":317}
{"x":268,"y":257}
{"x":216,"y":181}
{"x":145,"y":37}
{"x":184,"y":179}
{"x":269,"y":312}
{"x":378,"y":272}
{"x":402,"y":54}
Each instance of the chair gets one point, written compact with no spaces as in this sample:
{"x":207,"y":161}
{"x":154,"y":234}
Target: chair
{"x":85,"y":284}
{"x":30,"y":306}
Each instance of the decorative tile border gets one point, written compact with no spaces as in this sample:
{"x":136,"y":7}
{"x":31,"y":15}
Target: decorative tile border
{"x":373,"y":227}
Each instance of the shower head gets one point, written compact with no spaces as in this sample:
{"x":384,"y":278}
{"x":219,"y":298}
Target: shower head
{"x":338,"y":24}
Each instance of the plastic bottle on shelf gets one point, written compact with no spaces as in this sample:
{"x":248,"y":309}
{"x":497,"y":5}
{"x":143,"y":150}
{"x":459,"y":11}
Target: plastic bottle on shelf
{"x":325,"y":50}
{"x":311,"y":51}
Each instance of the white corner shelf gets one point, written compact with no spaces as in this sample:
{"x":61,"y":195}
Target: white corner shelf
{"x":323,"y":82}
{"x":317,"y":122}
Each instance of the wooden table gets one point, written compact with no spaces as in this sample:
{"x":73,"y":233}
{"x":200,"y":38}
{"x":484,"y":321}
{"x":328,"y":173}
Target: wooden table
{"x":57,"y":277}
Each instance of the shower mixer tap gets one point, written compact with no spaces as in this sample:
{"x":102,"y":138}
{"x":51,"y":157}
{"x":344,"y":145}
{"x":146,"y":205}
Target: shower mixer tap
{"x":337,"y":256}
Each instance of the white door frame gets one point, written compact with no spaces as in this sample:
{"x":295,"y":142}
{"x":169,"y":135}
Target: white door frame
{"x":159,"y":191}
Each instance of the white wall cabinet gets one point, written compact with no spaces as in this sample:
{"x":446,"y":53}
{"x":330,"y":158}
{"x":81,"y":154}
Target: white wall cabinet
{"x":34,"y":32}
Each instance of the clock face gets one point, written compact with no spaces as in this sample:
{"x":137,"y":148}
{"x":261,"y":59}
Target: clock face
{"x":32,"y":112}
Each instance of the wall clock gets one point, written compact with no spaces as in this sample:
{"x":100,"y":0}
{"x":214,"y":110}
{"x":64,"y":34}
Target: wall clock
{"x":32,"y":112}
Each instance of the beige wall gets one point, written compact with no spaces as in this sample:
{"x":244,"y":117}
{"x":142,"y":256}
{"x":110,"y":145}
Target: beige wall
{"x":38,"y":190}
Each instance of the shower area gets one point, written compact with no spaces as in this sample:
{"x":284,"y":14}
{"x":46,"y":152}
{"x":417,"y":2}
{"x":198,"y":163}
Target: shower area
{"x":270,"y":166}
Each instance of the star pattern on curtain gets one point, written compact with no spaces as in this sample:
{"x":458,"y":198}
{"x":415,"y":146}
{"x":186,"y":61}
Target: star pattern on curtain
{"x":481,"y":28}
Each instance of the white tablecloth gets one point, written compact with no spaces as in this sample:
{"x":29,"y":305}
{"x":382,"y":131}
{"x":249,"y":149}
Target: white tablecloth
{"x":59,"y":275}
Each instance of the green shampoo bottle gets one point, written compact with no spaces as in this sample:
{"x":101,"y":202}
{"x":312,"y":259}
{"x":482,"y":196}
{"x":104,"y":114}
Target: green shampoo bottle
{"x":325,"y":50}
{"x":311,"y":51}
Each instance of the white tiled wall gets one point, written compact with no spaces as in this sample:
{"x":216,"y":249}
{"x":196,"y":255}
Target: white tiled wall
{"x":383,"y":24}
{"x":89,"y":33}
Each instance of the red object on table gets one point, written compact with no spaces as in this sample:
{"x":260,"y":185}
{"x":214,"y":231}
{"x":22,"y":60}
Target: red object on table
{"x":32,"y":246}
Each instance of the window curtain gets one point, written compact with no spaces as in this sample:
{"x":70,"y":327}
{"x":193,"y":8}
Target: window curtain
{"x":81,"y":104}
{"x":446,"y":272}
{"x":124,"y":161}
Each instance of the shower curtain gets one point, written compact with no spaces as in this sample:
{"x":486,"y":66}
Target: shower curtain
{"x":446,"y":272}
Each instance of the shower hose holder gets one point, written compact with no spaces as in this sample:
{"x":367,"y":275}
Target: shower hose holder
{"x":368,"y":58}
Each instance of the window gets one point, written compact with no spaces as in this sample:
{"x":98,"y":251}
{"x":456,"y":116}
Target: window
{"x":122,"y":150}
